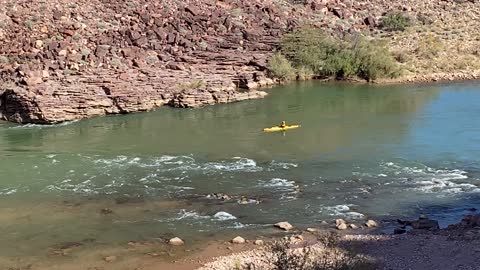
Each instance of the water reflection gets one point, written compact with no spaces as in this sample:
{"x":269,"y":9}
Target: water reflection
{"x":333,"y":116}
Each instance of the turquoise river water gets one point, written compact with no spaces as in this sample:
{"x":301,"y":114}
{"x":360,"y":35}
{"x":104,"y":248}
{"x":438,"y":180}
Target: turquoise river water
{"x":362,"y":151}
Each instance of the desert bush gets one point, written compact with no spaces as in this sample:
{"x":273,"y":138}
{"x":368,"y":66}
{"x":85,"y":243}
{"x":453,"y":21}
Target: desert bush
{"x":395,"y":21}
{"x":326,"y":256}
{"x":304,"y":73}
{"x":401,"y":56}
{"x":285,"y":258}
{"x":327,"y":56}
{"x":309,"y":47}
{"x":429,"y":46}
{"x":374,"y":60}
{"x":279,"y":67}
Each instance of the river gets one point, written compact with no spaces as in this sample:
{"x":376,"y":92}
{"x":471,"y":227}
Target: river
{"x":363,"y":151}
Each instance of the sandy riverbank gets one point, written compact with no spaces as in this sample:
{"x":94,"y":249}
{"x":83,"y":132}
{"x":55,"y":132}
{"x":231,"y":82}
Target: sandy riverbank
{"x":455,"y":247}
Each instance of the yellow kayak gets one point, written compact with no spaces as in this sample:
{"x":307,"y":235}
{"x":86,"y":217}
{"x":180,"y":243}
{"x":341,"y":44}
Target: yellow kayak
{"x":277,"y":128}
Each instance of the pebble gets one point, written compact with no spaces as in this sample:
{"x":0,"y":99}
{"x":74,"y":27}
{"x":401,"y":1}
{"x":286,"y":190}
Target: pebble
{"x":106,"y":211}
{"x":353,"y":226}
{"x":110,"y":258}
{"x":38,"y":44}
{"x":311,"y":230}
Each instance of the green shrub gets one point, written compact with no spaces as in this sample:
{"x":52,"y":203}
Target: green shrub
{"x":311,"y":49}
{"x":279,"y":67}
{"x":395,"y":21}
{"x":374,"y":60}
{"x":304,"y":73}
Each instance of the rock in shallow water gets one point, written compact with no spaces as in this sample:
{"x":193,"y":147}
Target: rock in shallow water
{"x":425,"y":224}
{"x":342,"y":226}
{"x":339,"y":221}
{"x":284,"y":226}
{"x":371,"y":223}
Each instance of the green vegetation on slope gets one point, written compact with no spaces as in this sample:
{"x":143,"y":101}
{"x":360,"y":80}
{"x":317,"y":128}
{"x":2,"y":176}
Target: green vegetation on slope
{"x":395,"y":21}
{"x":312,"y":53}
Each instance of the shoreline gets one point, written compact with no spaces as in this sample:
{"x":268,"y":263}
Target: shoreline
{"x":197,"y":98}
{"x":364,"y":242}
{"x":216,"y":253}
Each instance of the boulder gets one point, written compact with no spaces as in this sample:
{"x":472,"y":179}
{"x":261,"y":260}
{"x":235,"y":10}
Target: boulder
{"x":238,"y":240}
{"x":258,"y":243}
{"x":353,"y":226}
{"x":339,"y":221}
{"x":284,"y":226}
{"x":425,"y":224}
{"x":370,"y":21}
{"x":371,"y":223}
{"x":342,"y":226}
{"x":176,"y":241}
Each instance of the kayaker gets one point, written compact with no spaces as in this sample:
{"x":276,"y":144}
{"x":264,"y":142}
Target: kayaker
{"x":283,"y":124}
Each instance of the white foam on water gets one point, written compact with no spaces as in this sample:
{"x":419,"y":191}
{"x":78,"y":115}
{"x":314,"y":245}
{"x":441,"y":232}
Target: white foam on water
{"x":237,"y":164}
{"x":278,"y":182}
{"x":343,"y":210}
{"x":238,"y":225}
{"x":116,"y":160}
{"x":182,"y":187}
{"x":30,"y":126}
{"x":224,"y":216}
{"x":354,"y":215}
{"x":430,"y":180}
{"x":8,"y":191}
{"x":288,"y":188}
{"x":183,"y":163}
{"x":282,"y":165}
{"x":184,"y":214}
